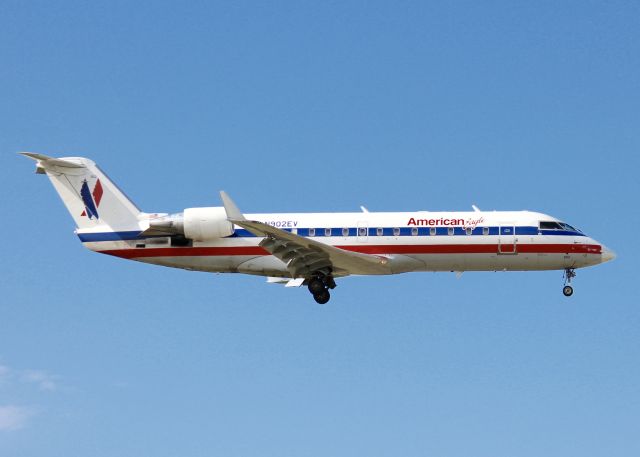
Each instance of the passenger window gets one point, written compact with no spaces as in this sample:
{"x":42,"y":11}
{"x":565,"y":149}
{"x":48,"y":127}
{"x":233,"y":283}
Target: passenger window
{"x":450,"y":231}
{"x":485,"y":230}
{"x":327,"y":232}
{"x":396,"y":231}
{"x":312,"y":232}
{"x":432,"y":231}
{"x":362,"y":231}
{"x":469,"y":230}
{"x":379,"y":231}
{"x":414,"y":231}
{"x":345,"y":232}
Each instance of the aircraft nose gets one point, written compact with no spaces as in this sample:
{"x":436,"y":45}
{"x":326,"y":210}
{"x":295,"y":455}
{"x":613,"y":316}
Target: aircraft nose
{"x":607,"y":254}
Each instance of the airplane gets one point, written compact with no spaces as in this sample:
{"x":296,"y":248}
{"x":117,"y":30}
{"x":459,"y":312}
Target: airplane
{"x":314,"y":249}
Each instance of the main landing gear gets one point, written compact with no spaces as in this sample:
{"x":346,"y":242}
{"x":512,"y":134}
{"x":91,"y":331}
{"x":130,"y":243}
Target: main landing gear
{"x":319,"y":287}
{"x":569,"y":274}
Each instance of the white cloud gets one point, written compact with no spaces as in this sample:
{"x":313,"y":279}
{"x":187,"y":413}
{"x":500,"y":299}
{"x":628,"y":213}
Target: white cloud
{"x":14,"y":417}
{"x":42,"y":379}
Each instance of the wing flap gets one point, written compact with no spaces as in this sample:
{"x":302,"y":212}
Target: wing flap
{"x":287,"y":282}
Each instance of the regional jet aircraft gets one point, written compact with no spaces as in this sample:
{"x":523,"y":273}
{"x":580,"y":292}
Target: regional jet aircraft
{"x":314,"y":249}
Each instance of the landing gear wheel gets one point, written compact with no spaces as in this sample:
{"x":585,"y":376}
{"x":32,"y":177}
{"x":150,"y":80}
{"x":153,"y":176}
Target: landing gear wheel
{"x":322,"y":297}
{"x":316,"y":286}
{"x":569,"y":274}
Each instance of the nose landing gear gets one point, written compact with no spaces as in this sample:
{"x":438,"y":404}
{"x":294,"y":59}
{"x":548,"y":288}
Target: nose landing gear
{"x":319,"y":287}
{"x":569,"y":274}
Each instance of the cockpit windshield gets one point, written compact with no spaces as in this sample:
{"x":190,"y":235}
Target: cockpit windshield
{"x":548,"y":225}
{"x":569,"y":228}
{"x":552,"y":225}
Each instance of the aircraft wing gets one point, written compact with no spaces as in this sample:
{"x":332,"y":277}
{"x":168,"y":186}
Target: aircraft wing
{"x":304,"y":256}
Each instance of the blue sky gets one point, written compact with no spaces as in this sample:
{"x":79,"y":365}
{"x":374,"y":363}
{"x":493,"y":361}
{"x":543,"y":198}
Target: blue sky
{"x":320,"y":106}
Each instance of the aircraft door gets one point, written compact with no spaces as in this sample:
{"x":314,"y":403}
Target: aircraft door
{"x":507,"y":241}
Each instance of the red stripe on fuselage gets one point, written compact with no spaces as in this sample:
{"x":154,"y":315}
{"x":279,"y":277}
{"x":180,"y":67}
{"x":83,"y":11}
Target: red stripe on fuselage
{"x":476,"y":249}
{"x":134,"y":253}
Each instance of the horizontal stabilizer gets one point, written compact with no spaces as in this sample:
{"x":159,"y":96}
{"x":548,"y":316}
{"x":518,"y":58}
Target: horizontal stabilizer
{"x":44,"y":161}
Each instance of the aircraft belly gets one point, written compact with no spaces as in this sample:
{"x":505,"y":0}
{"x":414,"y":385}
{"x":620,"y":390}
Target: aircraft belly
{"x":213,"y":264}
{"x":406,"y":263}
{"x":264,"y":266}
{"x":497,"y":262}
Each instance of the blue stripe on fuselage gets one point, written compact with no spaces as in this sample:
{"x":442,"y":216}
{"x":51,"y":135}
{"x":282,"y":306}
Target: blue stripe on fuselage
{"x":111,"y":236}
{"x":337,"y":232}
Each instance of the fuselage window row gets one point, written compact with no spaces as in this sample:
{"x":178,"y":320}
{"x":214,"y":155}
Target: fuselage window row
{"x":544,"y":228}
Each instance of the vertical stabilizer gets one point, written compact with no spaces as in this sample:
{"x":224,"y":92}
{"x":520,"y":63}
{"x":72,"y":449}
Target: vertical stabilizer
{"x":92,"y":199}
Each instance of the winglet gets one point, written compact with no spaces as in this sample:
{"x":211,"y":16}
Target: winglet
{"x":233,"y":213}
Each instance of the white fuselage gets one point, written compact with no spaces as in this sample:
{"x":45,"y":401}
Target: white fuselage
{"x":411,"y":241}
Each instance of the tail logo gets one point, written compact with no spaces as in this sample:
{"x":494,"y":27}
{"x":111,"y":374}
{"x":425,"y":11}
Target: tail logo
{"x":90,"y":199}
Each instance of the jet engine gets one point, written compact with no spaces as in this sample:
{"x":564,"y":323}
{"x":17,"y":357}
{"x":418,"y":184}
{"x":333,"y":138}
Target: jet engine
{"x":197,"y":224}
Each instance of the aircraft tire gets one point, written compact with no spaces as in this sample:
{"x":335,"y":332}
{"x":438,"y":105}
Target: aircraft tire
{"x":316,"y":286}
{"x":567,"y":291}
{"x":322,"y":297}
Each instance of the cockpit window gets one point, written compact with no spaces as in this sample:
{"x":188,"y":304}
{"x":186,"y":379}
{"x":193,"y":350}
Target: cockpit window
{"x":568,"y":227}
{"x":544,"y":225}
{"x":549,"y":225}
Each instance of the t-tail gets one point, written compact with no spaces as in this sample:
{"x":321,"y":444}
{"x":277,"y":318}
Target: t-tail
{"x":92,"y":199}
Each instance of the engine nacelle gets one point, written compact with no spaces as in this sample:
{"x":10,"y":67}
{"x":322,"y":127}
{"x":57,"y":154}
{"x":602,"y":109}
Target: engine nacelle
{"x":206,"y":224}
